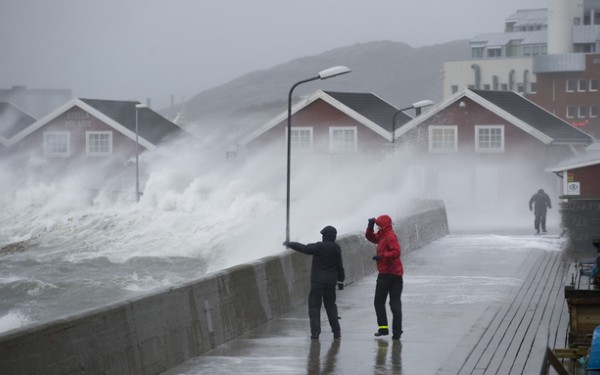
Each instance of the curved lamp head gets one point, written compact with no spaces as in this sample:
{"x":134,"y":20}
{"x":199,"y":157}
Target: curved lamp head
{"x":334,"y":71}
{"x":141,"y":105}
{"x":422,"y":103}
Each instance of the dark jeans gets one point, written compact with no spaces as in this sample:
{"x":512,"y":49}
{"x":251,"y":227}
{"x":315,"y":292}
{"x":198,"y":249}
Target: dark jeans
{"x":391,"y":285}
{"x":322,"y":293}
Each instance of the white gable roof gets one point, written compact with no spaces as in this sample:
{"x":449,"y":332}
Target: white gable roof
{"x":87,"y":108}
{"x":466,"y":93}
{"x":319,"y":94}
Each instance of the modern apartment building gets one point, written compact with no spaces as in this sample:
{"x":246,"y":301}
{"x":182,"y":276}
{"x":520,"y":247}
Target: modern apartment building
{"x":551,"y":56}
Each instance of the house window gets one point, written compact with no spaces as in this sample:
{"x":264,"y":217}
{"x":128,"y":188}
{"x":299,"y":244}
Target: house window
{"x":489,"y":138}
{"x":98,"y":143}
{"x":570,"y":85}
{"x":593,"y":85}
{"x":454,"y":89}
{"x":302,"y":139}
{"x":581,"y":111}
{"x":593,"y":111}
{"x":56,"y":144}
{"x":581,"y":85}
{"x":342,"y":139}
{"x":442,"y":138}
{"x":570,"y":111}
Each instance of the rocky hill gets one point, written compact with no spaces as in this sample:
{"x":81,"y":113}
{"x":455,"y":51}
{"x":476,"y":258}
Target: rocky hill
{"x":394,"y":71}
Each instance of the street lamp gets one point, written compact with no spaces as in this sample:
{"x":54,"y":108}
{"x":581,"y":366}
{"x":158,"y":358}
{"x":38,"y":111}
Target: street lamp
{"x":417,"y":106}
{"x":137,"y":153}
{"x":324,"y":74}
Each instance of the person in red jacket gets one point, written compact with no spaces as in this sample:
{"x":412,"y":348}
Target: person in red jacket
{"x":389,"y":280}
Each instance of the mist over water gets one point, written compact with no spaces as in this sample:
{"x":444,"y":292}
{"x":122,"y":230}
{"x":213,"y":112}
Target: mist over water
{"x":79,"y":240}
{"x":69,"y":243}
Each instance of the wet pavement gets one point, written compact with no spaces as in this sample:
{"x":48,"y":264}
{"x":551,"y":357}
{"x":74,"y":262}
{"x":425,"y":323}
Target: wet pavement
{"x":448,"y":285}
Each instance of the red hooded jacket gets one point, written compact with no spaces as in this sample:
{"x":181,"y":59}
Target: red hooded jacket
{"x":388,"y":247}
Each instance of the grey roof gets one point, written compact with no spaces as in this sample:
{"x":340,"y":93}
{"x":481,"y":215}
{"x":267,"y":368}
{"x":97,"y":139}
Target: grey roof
{"x":372,"y":107}
{"x":36,"y":102}
{"x":578,"y":161}
{"x":13,"y":120}
{"x":502,"y":39}
{"x":534,"y":115}
{"x":151,"y":126}
{"x":529,"y":17}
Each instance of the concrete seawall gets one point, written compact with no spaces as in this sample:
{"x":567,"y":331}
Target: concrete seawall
{"x":150,"y":334}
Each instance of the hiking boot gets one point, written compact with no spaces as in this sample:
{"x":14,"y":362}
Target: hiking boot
{"x":337,"y":336}
{"x":314,"y":336}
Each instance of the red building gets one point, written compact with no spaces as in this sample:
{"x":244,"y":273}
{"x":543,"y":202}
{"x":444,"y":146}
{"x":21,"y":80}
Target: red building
{"x":86,"y":134}
{"x":567,"y":85}
{"x":488,"y":149}
{"x":341,"y":125}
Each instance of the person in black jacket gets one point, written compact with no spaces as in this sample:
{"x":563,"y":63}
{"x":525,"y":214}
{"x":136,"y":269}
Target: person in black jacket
{"x":539,"y":203}
{"x":327,"y":270}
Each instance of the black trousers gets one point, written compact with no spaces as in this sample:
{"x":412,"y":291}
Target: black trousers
{"x":540,"y":220}
{"x":325,"y":294}
{"x":388,"y":284}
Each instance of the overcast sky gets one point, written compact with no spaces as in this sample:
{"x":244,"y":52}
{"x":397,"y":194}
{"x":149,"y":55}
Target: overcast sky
{"x":138,"y":49}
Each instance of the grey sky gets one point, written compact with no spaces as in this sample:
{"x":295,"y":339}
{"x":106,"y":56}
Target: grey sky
{"x":135,"y":49}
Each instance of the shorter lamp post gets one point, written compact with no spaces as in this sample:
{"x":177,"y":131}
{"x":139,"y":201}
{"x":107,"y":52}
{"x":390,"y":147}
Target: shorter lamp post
{"x":418,"y":105}
{"x":137,"y":153}
{"x":324,"y":74}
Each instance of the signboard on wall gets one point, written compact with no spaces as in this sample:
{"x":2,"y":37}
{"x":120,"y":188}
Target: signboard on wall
{"x":573,"y":188}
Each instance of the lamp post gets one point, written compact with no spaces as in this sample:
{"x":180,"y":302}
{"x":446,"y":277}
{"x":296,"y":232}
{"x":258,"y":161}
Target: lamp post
{"x":418,"y":105}
{"x":324,"y":74}
{"x":137,"y":153}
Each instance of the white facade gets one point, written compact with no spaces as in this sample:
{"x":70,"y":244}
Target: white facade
{"x":508,"y":74}
{"x":562,"y":15}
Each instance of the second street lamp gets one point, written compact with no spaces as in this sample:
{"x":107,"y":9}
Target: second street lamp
{"x":324,"y":74}
{"x":137,"y":153}
{"x":418,"y":105}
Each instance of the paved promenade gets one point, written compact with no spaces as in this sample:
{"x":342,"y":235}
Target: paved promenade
{"x":472,"y":304}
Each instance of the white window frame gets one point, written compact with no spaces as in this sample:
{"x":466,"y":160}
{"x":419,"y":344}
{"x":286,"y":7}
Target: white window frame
{"x":453,"y":148}
{"x":581,"y":85}
{"x":88,"y":144}
{"x":49,"y":150}
{"x":295,"y":146}
{"x":489,"y":148}
{"x":570,"y":85}
{"x":593,"y":85}
{"x":593,"y":111}
{"x":570,"y":111}
{"x":581,"y":111}
{"x":335,"y":148}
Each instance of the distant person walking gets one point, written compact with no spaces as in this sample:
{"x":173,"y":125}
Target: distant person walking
{"x":539,"y":203}
{"x":327,"y":270}
{"x":389,"y":280}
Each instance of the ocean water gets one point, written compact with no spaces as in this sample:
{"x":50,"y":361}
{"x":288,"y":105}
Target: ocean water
{"x":67,"y":244}
{"x":75,"y":239}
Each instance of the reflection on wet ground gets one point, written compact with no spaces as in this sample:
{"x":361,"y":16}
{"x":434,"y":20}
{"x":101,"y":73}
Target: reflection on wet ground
{"x":448,"y":285}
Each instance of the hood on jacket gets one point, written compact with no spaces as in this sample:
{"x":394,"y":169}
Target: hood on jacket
{"x":384,"y":222}
{"x":329,"y":233}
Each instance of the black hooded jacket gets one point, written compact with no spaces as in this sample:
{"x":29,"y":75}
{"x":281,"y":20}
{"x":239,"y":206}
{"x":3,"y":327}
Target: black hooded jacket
{"x":327,"y":264}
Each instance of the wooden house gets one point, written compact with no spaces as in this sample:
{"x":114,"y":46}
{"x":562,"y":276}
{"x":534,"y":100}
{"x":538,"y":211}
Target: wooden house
{"x":89,"y":134}
{"x":341,"y":125}
{"x":488,"y":149}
